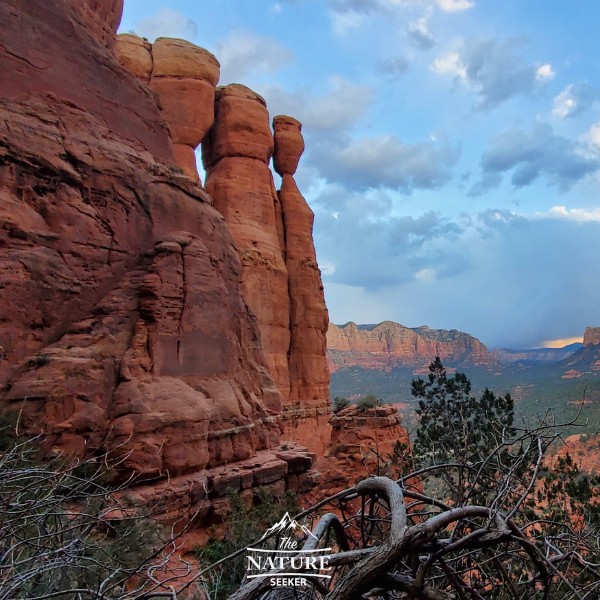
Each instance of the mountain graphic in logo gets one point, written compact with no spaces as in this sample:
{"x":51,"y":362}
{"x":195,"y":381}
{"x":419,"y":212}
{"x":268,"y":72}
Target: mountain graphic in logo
{"x":290,"y":525}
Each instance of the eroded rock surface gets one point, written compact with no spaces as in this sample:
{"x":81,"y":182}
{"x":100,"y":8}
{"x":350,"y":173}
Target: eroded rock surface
{"x":362,"y":443}
{"x":55,"y":48}
{"x":134,"y":334}
{"x":309,"y":373}
{"x":184,"y":77}
{"x":136,"y":319}
{"x":236,"y":153}
{"x":591,"y":336}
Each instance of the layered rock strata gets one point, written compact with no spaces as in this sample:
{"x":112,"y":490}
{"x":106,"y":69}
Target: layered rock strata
{"x":362,"y":442}
{"x":124,"y":327}
{"x":390,"y":345}
{"x":204,"y":497}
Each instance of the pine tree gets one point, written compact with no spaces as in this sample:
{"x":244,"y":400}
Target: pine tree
{"x":460,"y":428}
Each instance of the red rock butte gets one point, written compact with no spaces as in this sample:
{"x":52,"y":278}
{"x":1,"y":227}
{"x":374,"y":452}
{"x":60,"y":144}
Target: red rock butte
{"x":180,"y":329}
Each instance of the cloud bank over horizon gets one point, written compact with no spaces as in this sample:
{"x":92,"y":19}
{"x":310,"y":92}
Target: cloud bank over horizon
{"x":452,"y":151}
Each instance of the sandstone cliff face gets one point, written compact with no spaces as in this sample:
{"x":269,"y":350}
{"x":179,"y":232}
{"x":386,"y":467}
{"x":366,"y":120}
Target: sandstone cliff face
{"x":390,"y":345}
{"x":53,"y":48}
{"x":134,"y":327}
{"x":124,"y":320}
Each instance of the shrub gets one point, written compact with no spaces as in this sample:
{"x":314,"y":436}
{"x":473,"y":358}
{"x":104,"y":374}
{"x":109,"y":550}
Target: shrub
{"x":368,"y":401}
{"x":339,"y":403}
{"x":65,"y":533}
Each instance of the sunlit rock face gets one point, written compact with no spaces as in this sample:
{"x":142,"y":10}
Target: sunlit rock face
{"x":390,"y":345}
{"x":360,"y":445}
{"x":591,"y":336}
{"x":173,"y":328}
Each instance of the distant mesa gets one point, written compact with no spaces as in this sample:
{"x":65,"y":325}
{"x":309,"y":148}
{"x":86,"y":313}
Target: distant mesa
{"x":591,"y":336}
{"x":389,"y":345}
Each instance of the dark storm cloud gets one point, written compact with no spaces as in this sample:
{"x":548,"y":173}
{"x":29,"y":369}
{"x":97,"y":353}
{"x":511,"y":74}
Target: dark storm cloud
{"x":534,"y":154}
{"x":507,"y":279}
{"x":386,"y":162}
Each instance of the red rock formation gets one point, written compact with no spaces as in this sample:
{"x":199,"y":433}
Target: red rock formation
{"x":47,"y":47}
{"x":102,"y":17}
{"x":390,"y":345}
{"x":309,"y":373}
{"x":184,"y":76}
{"x":135,"y":327}
{"x":135,"y":54}
{"x":236,"y":153}
{"x":362,"y":440}
{"x":204,"y":495}
{"x":591,"y":336}
{"x":122,"y":324}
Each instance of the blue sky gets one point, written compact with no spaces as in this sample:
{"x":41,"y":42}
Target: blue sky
{"x":453,"y":150}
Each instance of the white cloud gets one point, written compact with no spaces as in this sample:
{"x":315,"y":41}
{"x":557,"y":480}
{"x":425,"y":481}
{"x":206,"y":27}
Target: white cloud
{"x":342,"y":22}
{"x":420,"y":34}
{"x":387,"y":162}
{"x":574,"y":100}
{"x":243,"y":53}
{"x":450,"y":64}
{"x":167,"y":23}
{"x":427,"y":274}
{"x":545,"y":72}
{"x":572,"y":214}
{"x":494,"y":70}
{"x":593,"y":135}
{"x":455,"y":5}
{"x":564,"y":103}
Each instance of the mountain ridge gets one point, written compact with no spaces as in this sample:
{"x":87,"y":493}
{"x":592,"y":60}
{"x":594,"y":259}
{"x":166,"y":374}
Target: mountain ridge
{"x":388,"y":345}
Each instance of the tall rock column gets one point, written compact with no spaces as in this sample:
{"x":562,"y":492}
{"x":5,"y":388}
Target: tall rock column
{"x":184,"y":76}
{"x":309,"y":374}
{"x":236,"y":154}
